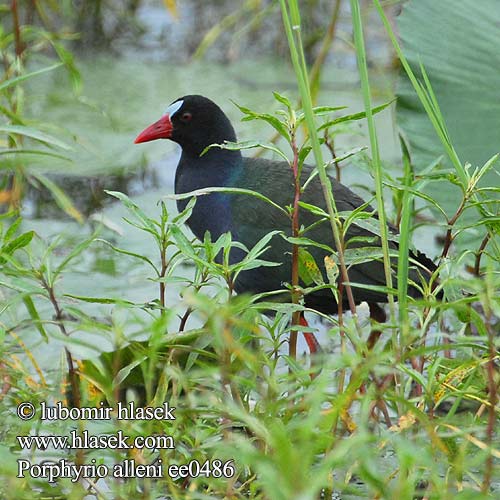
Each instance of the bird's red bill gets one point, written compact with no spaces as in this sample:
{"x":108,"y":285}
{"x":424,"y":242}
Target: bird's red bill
{"x":162,"y":129}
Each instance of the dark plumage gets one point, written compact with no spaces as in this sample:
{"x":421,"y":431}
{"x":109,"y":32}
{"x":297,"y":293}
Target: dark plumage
{"x":195,"y":122}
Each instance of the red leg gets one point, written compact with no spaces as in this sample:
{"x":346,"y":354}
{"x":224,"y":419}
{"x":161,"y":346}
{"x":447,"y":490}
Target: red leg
{"x":311,"y":340}
{"x":378,"y":315}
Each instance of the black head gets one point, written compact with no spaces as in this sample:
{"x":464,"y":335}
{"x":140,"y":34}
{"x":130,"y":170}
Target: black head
{"x":194,"y":122}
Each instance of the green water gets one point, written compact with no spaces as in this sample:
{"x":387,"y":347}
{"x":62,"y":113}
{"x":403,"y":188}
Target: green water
{"x":119,"y":98}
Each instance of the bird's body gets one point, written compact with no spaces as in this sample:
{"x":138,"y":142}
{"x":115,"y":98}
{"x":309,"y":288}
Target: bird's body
{"x":196,"y":123}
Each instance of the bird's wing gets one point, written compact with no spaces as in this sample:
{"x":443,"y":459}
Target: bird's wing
{"x":253,"y":218}
{"x":274,"y":180}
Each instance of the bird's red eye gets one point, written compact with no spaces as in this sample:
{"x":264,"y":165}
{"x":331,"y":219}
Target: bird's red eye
{"x":186,"y":117}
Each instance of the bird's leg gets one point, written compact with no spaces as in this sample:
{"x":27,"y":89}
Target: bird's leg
{"x":377,"y":314}
{"x":311,"y":340}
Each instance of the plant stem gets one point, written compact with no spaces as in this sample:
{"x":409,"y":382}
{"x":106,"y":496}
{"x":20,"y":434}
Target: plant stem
{"x":377,"y":166}
{"x":492,"y":391}
{"x":315,"y":73}
{"x":292,"y":348}
{"x":404,"y":246}
{"x":298,"y":61}
{"x":17,"y":31}
{"x":72,"y":374}
{"x":449,"y":233}
{"x":479,"y":253}
{"x":329,"y":143}
{"x":163,"y":271}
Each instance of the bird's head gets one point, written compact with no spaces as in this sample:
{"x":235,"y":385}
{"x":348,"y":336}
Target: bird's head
{"x":194,"y":122}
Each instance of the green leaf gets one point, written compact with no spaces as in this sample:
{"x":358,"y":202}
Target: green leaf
{"x":100,"y":300}
{"x":320,"y":111}
{"x":376,"y":288}
{"x":12,"y":230}
{"x":133,"y":208}
{"x":60,"y":197}
{"x":125,"y":371}
{"x":313,"y":209}
{"x":185,"y":214}
{"x":80,"y":248}
{"x":257,"y":250}
{"x":360,"y":255}
{"x":332,"y":269}
{"x":304,"y":153}
{"x":309,"y":271}
{"x":302,"y":241}
{"x":38,"y":152}
{"x":130,"y":254}
{"x":20,"y":242}
{"x":255,"y":263}
{"x":366,"y":221}
{"x":354,"y":116}
{"x":283,"y":100}
{"x":419,"y":194}
{"x":26,"y":76}
{"x":34,"y":133}
{"x":69,"y":62}
{"x":279,"y":126}
{"x":212,"y":249}
{"x":37,"y":321}
{"x":209,"y":190}
{"x":186,"y":247}
{"x":237,"y":146}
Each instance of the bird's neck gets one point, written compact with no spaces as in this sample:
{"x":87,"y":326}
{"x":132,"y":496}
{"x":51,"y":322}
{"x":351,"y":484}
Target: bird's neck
{"x":208,"y":154}
{"x":194,"y":145}
{"x":215,"y":168}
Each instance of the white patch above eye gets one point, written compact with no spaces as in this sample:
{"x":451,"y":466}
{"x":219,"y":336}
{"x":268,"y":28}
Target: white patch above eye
{"x":174,"y":107}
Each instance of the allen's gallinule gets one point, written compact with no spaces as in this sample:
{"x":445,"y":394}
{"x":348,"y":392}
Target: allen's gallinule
{"x":195,"y":122}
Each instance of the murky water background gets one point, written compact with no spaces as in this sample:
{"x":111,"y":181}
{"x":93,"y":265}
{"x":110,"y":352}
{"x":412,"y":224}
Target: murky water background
{"x":120,"y":97}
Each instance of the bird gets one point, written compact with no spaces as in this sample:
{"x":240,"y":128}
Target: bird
{"x":195,"y":122}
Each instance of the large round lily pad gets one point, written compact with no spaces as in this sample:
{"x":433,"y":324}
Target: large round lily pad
{"x":458,"y":43}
